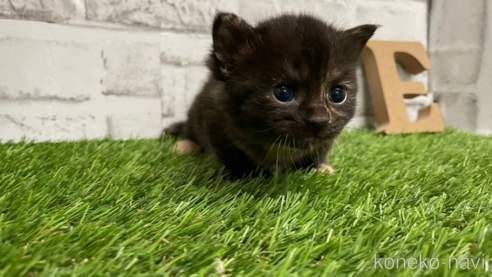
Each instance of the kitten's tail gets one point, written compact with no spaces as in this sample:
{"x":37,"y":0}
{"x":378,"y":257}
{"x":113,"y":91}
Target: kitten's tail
{"x":176,"y":129}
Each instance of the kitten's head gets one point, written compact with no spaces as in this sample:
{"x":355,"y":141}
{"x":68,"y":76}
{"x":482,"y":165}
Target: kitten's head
{"x":290,"y":77}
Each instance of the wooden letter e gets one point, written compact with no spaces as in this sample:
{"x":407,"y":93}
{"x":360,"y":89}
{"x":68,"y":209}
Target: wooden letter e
{"x":388,"y":91}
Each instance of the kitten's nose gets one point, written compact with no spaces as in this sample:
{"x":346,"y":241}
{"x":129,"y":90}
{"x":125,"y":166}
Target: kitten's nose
{"x":317,"y":116}
{"x":317,"y":123}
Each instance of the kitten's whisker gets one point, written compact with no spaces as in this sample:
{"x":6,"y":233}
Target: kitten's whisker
{"x":284,"y":150}
{"x":271,"y":147}
{"x":265,"y":130}
{"x":341,"y":151}
{"x":290,"y":154}
{"x":261,"y":157}
{"x":276,"y":162}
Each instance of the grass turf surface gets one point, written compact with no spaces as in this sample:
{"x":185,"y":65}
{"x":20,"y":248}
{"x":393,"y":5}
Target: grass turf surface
{"x":134,"y":208}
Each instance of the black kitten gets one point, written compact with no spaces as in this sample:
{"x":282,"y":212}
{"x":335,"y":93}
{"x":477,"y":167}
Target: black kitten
{"x":278,"y":95}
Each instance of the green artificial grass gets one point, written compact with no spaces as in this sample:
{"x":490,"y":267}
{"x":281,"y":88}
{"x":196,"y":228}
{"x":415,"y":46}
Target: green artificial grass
{"x":112,"y":208}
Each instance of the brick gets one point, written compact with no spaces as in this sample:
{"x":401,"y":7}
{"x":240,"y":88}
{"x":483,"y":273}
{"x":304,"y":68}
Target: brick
{"x":51,"y":127}
{"x":461,"y":55}
{"x":59,"y":60}
{"x":184,"y":49}
{"x":132,"y":68}
{"x":484,"y":85}
{"x":178,"y":15}
{"x":180,"y":87}
{"x":45,"y":61}
{"x":55,"y":76}
{"x":448,"y":32}
{"x":128,"y":126}
{"x":45,"y":68}
{"x":173,"y":91}
{"x":43,"y":10}
{"x":132,"y":117}
{"x":459,"y":110}
{"x":456,"y":48}
{"x":455,"y":67}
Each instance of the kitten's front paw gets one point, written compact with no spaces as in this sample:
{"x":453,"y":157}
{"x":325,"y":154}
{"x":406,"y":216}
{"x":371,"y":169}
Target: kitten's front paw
{"x":325,"y":169}
{"x":187,"y":146}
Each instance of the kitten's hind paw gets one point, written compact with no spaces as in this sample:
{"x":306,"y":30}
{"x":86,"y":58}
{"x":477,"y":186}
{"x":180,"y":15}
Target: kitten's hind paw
{"x":187,"y":146}
{"x":325,"y":169}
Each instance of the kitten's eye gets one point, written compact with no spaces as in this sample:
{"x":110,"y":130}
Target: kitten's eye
{"x":283,"y":93}
{"x":338,"y":95}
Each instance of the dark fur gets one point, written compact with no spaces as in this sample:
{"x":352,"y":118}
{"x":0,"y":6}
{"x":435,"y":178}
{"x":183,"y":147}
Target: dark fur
{"x":235,"y":116}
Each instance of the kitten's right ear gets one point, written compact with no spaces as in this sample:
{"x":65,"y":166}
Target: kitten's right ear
{"x":357,"y":38}
{"x":229,"y":34}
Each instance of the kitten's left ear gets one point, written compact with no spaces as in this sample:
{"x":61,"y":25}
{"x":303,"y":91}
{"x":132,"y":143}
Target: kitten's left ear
{"x":357,"y":37}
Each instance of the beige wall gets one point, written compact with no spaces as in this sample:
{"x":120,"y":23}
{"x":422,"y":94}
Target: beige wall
{"x":75,"y":69}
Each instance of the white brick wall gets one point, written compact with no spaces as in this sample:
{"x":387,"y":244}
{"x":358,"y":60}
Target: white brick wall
{"x":127,"y":68}
{"x":461,"y":48}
